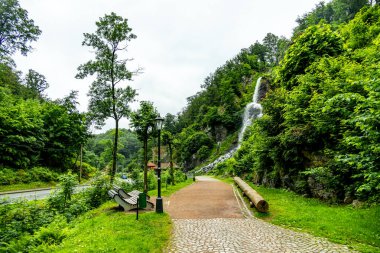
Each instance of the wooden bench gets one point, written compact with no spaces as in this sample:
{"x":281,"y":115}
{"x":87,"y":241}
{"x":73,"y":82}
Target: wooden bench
{"x":124,"y":194}
{"x":127,"y":200}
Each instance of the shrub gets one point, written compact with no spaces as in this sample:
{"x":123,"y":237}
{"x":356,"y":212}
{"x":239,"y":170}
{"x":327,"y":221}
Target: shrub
{"x":42,"y":240}
{"x":61,"y":198}
{"x":7,"y":176}
{"x":226,"y":168}
{"x":87,"y":170}
{"x":35,"y":174}
{"x":179,"y":176}
{"x":42,"y":174}
{"x":152,"y":180}
{"x":98,"y":191}
{"x":22,"y":218}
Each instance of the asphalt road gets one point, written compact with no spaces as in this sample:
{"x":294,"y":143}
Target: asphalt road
{"x":32,"y":194}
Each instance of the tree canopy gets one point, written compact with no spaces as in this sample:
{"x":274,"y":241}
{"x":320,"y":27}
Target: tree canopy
{"x":108,"y":99}
{"x":141,"y":120}
{"x":16,"y":29}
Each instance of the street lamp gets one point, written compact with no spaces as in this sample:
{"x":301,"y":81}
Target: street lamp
{"x":159,"y":205}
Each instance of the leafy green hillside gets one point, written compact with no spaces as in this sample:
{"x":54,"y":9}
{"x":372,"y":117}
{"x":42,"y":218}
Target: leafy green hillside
{"x":320,"y":131}
{"x":215,"y":112}
{"x":98,"y":149}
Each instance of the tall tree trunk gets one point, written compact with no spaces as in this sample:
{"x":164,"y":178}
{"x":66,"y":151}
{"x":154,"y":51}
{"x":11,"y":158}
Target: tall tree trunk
{"x":145,"y":164}
{"x":115,"y":116}
{"x":114,"y":151}
{"x":171,"y":170}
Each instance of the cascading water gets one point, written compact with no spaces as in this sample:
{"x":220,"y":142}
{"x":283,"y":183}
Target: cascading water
{"x":252,"y":111}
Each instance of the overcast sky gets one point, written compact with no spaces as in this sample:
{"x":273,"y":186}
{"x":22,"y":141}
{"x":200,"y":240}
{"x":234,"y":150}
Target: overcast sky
{"x":179,"y":42}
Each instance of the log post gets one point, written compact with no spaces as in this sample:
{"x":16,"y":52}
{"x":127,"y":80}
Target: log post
{"x":260,"y":204}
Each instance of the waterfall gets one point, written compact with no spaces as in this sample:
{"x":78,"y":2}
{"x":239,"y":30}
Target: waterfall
{"x":252,"y":111}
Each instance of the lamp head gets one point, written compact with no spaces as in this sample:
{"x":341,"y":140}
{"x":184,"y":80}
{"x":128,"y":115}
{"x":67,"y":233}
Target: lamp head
{"x":159,"y":122}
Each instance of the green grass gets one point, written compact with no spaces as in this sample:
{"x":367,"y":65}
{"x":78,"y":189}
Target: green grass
{"x":33,"y":185}
{"x":108,"y":230}
{"x":358,"y":228}
{"x":166,"y":191}
{"x":228,"y":180}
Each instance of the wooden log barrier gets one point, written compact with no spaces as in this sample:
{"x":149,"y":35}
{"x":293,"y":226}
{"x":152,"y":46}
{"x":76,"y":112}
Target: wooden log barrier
{"x":260,"y":204}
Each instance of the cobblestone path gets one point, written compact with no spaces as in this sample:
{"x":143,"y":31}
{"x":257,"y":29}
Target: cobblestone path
{"x":199,"y":229}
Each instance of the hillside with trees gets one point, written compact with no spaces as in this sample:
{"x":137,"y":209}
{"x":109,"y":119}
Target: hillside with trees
{"x":319,"y":133}
{"x":35,"y":131}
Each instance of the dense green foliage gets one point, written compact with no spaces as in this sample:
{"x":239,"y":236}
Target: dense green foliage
{"x":98,"y":149}
{"x":218,"y":107}
{"x":34,"y":132}
{"x":143,"y":121}
{"x":35,"y":174}
{"x":320,"y":130}
{"x":335,"y":12}
{"x":29,"y":226}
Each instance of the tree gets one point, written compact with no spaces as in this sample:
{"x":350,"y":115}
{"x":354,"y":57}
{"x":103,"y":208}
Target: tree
{"x":21,"y":131}
{"x":16,"y":29}
{"x":10,"y":79}
{"x":316,"y":42}
{"x":141,"y":120}
{"x":335,"y":12}
{"x":171,"y":123}
{"x":65,"y":130}
{"x":167,"y":139}
{"x":276,"y":48}
{"x":107,"y":98}
{"x":345,"y":10}
{"x":36,"y":83}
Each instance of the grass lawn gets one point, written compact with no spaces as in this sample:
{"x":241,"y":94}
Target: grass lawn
{"x":106,"y":229}
{"x":33,"y":185}
{"x":358,"y":228}
{"x":166,"y":191}
{"x":109,"y":230}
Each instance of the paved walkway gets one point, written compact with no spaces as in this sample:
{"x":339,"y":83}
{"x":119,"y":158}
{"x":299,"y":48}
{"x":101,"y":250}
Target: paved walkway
{"x":207,"y":218}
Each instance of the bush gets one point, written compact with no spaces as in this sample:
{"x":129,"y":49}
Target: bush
{"x":37,"y":227}
{"x":42,"y":240}
{"x":98,"y":191}
{"x":226,"y":168}
{"x":152,"y":180}
{"x":61,"y":198}
{"x":7,"y":176}
{"x":42,"y":174}
{"x":35,"y":174}
{"x":179,"y":176}
{"x":87,"y":170}
{"x":20,"y":219}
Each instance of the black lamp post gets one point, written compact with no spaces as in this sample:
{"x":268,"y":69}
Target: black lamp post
{"x":159,"y":205}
